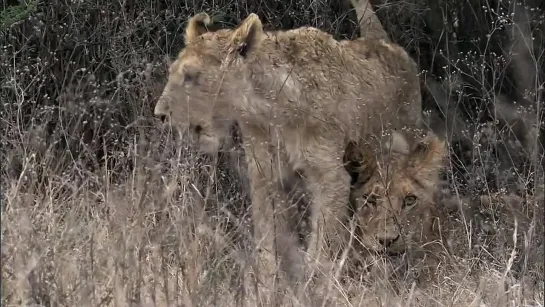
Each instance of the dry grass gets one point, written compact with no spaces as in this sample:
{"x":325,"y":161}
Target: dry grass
{"x":152,"y":240}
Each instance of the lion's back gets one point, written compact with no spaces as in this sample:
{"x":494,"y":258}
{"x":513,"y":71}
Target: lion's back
{"x":353,"y":83}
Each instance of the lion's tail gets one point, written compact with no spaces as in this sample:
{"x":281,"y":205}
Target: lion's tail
{"x":370,"y":26}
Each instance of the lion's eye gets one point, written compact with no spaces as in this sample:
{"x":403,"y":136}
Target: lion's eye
{"x":191,"y":77}
{"x":409,"y":201}
{"x":191,"y":74}
{"x":370,"y":199}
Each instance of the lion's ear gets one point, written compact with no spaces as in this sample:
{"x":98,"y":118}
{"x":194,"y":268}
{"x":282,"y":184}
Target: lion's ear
{"x":247,"y":36}
{"x":426,"y":159}
{"x":196,"y":26}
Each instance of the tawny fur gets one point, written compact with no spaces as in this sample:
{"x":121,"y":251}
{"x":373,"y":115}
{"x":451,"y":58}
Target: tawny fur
{"x":300,"y":97}
{"x":370,"y":26}
{"x":394,"y":200}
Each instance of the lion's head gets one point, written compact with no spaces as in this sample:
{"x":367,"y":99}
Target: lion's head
{"x":394,"y":198}
{"x":203,"y":81}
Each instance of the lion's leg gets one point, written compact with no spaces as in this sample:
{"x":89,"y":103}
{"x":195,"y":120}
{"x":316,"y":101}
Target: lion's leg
{"x":274,"y":231}
{"x":329,"y":184}
{"x":261,"y":185}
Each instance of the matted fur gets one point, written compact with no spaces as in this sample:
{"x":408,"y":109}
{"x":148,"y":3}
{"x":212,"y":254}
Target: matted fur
{"x":300,"y":97}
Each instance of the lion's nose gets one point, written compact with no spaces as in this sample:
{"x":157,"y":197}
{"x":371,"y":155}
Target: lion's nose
{"x":387,"y":241}
{"x":159,"y":111}
{"x":163,"y":118}
{"x":161,"y":108}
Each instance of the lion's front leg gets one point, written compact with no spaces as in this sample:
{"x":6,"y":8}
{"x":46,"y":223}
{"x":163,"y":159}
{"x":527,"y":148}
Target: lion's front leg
{"x":262,"y":189}
{"x":329,"y":184}
{"x":274,"y":233}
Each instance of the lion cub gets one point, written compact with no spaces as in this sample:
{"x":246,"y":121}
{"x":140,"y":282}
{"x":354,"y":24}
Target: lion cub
{"x":300,"y":97}
{"x":393,"y":197}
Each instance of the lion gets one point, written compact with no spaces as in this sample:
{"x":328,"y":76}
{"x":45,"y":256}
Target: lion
{"x":300,"y":97}
{"x":393,"y":198}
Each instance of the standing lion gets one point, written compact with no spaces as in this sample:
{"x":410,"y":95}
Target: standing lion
{"x":300,"y":97}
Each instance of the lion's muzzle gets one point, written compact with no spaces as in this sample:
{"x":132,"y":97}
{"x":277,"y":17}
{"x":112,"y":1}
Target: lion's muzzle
{"x":161,"y":109}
